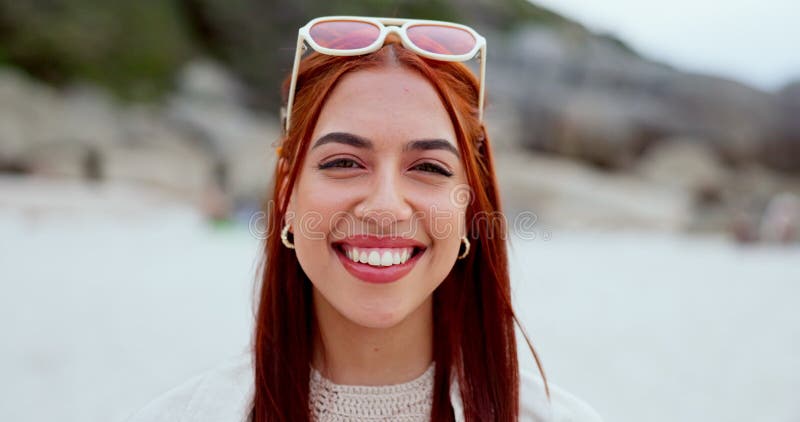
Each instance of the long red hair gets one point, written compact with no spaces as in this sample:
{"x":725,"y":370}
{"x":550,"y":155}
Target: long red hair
{"x":473,"y":316}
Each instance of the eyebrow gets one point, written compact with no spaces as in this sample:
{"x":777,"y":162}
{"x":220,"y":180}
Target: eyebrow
{"x":361,"y":142}
{"x":428,"y":144}
{"x":344,"y":138}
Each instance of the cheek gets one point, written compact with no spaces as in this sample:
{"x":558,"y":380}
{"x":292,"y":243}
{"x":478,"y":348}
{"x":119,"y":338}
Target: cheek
{"x":311,"y":225}
{"x":443,"y":220}
{"x":315,"y":207}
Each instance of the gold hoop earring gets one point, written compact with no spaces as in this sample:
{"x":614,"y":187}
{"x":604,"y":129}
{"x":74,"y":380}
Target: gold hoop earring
{"x":285,"y":237}
{"x":465,"y":241}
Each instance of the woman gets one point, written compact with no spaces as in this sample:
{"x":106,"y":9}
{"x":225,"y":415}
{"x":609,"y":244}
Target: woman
{"x":384,"y":282}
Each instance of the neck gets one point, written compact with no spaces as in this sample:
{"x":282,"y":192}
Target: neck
{"x":352,"y":354}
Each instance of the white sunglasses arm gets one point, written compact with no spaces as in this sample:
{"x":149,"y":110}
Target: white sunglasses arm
{"x":482,"y":92}
{"x":297,"y":56}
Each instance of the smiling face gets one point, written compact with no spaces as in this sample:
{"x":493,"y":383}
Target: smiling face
{"x":375,"y":211}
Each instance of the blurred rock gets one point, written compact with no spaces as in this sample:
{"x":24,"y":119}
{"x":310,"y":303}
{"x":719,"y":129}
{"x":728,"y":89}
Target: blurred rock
{"x":782,"y":148}
{"x":203,"y":145}
{"x":13,"y":132}
{"x":568,"y":194}
{"x":736,"y":119}
{"x":591,"y":98}
{"x":208,"y":106}
{"x":213,"y":113}
{"x":503,"y":125}
{"x":12,"y":143}
{"x":686,"y":163}
{"x":146,"y":127}
{"x":746,"y":196}
{"x":87,"y":115}
{"x":790,"y":99}
{"x":753,"y":184}
{"x":186,"y":173}
{"x":595,"y":129}
{"x":156,"y":152}
{"x":249,"y":171}
{"x":208,"y":82}
{"x":58,"y":159}
{"x":45,"y":132}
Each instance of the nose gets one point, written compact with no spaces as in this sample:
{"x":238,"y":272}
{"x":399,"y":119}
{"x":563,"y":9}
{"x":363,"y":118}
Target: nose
{"x":385,"y":203}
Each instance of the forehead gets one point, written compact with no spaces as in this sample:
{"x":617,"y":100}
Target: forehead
{"x":386,"y":104}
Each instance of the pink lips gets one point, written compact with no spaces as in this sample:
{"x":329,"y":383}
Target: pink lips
{"x":378,"y":274}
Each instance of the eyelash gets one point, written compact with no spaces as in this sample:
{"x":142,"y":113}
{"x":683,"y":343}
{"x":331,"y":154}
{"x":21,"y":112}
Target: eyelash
{"x":336,"y":163}
{"x":434,"y":169}
{"x":345,"y":163}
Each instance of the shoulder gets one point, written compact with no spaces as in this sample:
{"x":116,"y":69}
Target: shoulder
{"x":562,"y":406}
{"x":223,"y":392}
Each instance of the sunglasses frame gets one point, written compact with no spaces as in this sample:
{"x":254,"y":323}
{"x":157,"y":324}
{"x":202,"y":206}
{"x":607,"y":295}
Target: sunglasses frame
{"x":387,"y":26}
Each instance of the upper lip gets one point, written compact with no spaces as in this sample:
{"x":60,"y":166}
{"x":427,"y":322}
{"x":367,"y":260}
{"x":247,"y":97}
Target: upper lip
{"x":368,"y":241}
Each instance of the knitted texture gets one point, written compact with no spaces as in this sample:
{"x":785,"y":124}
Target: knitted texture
{"x":407,"y":402}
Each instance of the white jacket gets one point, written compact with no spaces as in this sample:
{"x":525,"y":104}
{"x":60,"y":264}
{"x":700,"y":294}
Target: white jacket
{"x":223,"y":394}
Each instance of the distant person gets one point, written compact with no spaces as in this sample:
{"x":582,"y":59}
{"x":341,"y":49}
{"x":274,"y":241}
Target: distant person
{"x":384,"y":290}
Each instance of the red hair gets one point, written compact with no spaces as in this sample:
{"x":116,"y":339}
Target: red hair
{"x":473,"y":317}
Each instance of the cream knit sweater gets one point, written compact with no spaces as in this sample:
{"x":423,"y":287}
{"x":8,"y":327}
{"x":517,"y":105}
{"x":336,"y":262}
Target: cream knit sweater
{"x":407,"y":402}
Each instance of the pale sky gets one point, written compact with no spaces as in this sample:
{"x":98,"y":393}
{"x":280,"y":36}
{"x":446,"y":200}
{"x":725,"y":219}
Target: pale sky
{"x":756,"y":42}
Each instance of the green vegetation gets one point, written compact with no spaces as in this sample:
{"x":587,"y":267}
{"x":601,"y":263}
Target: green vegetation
{"x":131,"y":47}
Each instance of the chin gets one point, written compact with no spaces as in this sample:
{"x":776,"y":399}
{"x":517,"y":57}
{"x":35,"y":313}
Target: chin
{"x":375,"y":316}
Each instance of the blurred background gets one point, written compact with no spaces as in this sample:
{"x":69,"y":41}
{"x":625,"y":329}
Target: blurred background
{"x":657,"y":148}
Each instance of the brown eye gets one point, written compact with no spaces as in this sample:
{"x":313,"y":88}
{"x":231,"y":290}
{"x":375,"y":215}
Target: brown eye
{"x":339,"y":163}
{"x":433,"y":168}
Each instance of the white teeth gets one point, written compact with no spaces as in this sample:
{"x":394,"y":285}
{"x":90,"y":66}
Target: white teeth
{"x":386,"y":259}
{"x":383,"y":257}
{"x":374,"y":258}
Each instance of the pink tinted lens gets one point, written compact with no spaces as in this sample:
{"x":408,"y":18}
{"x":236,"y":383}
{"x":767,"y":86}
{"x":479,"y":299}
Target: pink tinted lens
{"x":441,"y":39}
{"x":344,"y":35}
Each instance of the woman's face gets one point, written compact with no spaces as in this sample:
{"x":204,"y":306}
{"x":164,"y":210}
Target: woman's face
{"x":378,"y":212}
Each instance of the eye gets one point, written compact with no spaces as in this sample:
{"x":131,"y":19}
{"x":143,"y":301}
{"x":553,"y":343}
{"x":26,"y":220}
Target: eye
{"x":433,"y":168}
{"x":339,"y":163}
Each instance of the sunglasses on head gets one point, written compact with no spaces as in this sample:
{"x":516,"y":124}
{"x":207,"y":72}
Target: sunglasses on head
{"x":355,"y":35}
